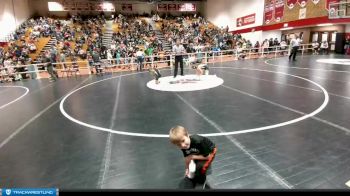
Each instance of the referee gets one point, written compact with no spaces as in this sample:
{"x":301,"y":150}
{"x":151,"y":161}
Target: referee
{"x":294,"y":43}
{"x":179,"y":50}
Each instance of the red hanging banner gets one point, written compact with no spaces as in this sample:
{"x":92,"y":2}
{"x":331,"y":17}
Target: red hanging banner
{"x":302,"y":3}
{"x":279,"y":10}
{"x":187,"y":7}
{"x":172,"y":7}
{"x":127,"y":7}
{"x":268,"y":12}
{"x":315,"y":1}
{"x":291,"y":3}
{"x":329,"y":2}
{"x":162,"y":7}
{"x":245,"y":20}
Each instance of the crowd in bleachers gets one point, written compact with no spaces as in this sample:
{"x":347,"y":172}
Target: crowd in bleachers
{"x":80,"y":38}
{"x":133,"y":33}
{"x":71,"y":36}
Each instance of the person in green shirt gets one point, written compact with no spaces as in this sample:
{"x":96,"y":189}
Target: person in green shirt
{"x":149,"y":53}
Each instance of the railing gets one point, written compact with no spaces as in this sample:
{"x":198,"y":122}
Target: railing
{"x":190,"y":58}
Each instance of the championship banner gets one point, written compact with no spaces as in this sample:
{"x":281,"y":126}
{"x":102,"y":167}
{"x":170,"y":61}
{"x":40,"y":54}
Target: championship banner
{"x":268,"y":12}
{"x":279,"y":10}
{"x":172,"y":7}
{"x":69,"y":6}
{"x":181,"y":7}
{"x":329,"y":2}
{"x":83,"y":6}
{"x":245,"y":20}
{"x":187,"y":7}
{"x":291,"y":3}
{"x":162,"y":7}
{"x":97,"y":7}
{"x":302,"y":13}
{"x":332,"y":8}
{"x":106,"y":7}
{"x":302,"y":3}
{"x":127,"y":7}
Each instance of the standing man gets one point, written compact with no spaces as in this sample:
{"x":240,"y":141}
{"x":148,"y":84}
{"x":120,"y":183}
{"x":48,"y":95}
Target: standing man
{"x":179,"y":51}
{"x":347,"y":45}
{"x":294,"y":43}
{"x":49,"y":67}
{"x":96,"y":59}
{"x":140,"y":56}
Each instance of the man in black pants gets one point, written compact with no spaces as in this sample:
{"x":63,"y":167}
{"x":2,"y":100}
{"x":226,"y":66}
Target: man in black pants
{"x":96,"y":58}
{"x":179,"y":50}
{"x":295,"y":46}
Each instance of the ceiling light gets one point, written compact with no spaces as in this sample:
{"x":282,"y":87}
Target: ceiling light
{"x":288,"y":28}
{"x":325,"y":24}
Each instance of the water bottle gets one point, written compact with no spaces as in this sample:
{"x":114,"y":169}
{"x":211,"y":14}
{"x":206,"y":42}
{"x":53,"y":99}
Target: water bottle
{"x":191,"y":169}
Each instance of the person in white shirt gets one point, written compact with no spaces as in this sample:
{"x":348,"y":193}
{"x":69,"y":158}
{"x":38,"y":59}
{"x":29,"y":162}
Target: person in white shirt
{"x":32,"y":47}
{"x":324,"y":47}
{"x":294,"y":43}
{"x":283,"y":46}
{"x":140,"y":56}
{"x":178,"y":51}
{"x":110,"y":57}
{"x":315,"y":47}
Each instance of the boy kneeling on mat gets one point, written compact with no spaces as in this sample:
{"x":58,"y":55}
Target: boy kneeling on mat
{"x":201,"y":69}
{"x":155,"y":73}
{"x":199,"y":152}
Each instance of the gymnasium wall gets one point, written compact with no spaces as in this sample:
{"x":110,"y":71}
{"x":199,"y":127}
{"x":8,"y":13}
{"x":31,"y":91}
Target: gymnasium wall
{"x":306,"y":33}
{"x":226,"y":12}
{"x":347,"y":31}
{"x":12,"y":14}
{"x":41,"y":8}
{"x":337,"y":28}
{"x":347,"y":28}
{"x":280,"y":11}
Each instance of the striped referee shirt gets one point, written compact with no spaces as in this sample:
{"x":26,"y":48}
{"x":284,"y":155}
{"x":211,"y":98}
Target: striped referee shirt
{"x":178,"y":50}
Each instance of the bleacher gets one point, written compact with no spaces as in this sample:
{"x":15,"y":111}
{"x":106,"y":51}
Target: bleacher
{"x":45,"y":43}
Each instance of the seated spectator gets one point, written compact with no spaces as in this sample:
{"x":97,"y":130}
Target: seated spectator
{"x":256,"y":47}
{"x":347,"y":45}
{"x":324,"y":47}
{"x":32,"y":48}
{"x":283,"y":47}
{"x":315,"y":47}
{"x":241,"y":53}
{"x":82,"y":54}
